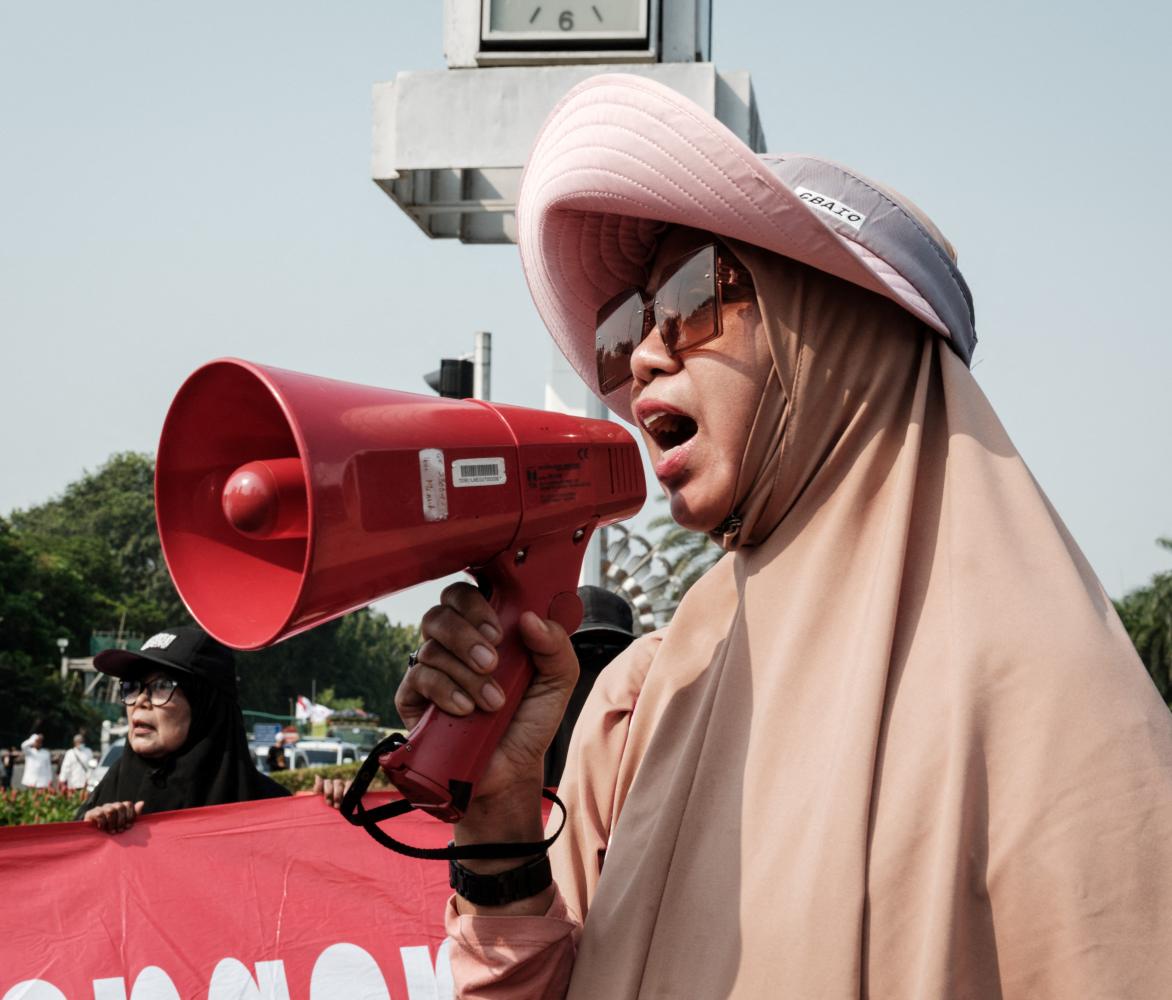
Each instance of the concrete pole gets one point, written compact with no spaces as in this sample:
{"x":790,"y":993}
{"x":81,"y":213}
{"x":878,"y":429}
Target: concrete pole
{"x":482,"y":366}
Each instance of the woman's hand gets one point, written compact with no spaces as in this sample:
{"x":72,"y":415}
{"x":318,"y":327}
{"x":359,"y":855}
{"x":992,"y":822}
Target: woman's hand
{"x":114,"y":817}
{"x":331,"y":789}
{"x":454,"y":671}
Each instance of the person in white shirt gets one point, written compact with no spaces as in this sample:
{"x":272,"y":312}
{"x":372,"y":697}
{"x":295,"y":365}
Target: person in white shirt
{"x":38,"y":766}
{"x":76,"y":764}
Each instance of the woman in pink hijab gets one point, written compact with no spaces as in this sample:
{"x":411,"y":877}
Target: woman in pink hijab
{"x":896,"y":743}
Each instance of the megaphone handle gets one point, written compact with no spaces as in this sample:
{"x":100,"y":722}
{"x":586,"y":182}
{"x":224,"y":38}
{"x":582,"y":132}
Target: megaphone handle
{"x":445,"y":755}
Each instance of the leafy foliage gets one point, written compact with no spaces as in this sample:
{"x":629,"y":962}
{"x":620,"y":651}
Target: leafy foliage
{"x":691,"y":553}
{"x":90,"y":560}
{"x":19,"y":806}
{"x":1147,"y":615}
{"x":103,"y":529}
{"x":359,"y":660}
{"x":301,"y":780}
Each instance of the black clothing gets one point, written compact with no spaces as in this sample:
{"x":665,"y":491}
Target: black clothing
{"x":277,"y":759}
{"x":214,"y":766}
{"x":595,"y":650}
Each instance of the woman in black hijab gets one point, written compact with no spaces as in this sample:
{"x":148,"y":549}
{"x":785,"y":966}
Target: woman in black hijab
{"x":186,"y":745}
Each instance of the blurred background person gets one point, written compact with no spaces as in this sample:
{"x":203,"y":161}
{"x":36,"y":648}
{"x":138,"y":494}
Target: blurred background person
{"x":277,"y":759}
{"x":186,"y":746}
{"x":76,"y":764}
{"x":607,"y":629}
{"x":38,"y":764}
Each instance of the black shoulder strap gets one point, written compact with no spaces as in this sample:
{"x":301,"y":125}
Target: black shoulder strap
{"x":357,"y":814}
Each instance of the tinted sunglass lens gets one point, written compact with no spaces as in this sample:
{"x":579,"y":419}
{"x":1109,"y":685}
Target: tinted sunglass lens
{"x":617,"y":333}
{"x":685,"y":306}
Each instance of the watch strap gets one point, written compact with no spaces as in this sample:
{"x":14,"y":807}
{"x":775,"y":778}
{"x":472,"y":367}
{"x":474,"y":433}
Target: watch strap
{"x":504,"y":887}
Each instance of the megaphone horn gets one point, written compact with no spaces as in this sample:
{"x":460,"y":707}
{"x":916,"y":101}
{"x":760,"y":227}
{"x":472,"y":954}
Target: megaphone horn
{"x":286,"y":500}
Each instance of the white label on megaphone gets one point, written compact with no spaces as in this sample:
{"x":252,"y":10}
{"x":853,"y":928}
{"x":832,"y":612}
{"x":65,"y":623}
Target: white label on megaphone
{"x":435,"y":487}
{"x":478,"y":472}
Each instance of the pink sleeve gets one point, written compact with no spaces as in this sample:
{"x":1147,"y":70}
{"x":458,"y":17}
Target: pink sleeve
{"x":502,"y":958}
{"x":512,"y":958}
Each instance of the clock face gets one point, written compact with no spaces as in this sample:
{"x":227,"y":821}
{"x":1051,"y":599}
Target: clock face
{"x":564,"y":21}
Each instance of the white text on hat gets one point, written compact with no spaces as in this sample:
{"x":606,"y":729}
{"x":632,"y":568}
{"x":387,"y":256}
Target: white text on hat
{"x":159,"y":641}
{"x":831,"y":207}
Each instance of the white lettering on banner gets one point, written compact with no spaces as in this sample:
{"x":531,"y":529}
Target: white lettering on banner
{"x":347,"y":972}
{"x":110,"y":989}
{"x":34,"y":989}
{"x":231,"y":981}
{"x":341,"y":972}
{"x":153,"y":984}
{"x":150,"y":984}
{"x":423,"y":981}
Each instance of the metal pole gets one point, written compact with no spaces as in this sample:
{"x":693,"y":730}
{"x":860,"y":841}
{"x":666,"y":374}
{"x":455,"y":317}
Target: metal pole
{"x":593,"y":572}
{"x":482,"y":366}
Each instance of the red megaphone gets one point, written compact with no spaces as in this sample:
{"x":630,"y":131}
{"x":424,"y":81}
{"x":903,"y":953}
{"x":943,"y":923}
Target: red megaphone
{"x":285,"y":500}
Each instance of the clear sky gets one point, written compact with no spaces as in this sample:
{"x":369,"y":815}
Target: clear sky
{"x":184,"y":181}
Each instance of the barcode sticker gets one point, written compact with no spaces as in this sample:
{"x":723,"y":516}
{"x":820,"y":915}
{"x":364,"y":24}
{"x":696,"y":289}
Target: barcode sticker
{"x":478,"y":472}
{"x":431,"y":479}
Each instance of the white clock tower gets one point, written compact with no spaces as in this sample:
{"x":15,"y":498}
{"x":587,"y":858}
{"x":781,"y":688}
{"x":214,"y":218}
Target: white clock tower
{"x":449,"y":145}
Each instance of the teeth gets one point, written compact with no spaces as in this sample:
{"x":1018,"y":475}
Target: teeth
{"x":657,"y":418}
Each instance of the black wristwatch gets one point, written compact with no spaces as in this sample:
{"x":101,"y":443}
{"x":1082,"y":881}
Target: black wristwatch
{"x":505,"y":887}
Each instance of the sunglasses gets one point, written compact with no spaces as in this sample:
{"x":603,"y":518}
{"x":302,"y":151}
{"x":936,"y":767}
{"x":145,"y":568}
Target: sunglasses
{"x":686,"y":309}
{"x":159,"y":691}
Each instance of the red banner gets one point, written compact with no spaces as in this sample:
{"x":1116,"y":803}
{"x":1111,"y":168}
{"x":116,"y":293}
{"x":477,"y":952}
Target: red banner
{"x":274,"y":900}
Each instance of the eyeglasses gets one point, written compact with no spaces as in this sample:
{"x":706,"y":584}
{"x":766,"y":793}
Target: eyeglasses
{"x":159,"y":691}
{"x":686,"y":309}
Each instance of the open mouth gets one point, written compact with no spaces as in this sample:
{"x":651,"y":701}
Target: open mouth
{"x":670,"y":430}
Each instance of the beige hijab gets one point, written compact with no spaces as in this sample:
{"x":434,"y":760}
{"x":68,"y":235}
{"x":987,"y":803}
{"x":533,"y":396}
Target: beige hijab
{"x":896,"y":744}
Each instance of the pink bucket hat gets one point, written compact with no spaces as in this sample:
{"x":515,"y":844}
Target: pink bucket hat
{"x":622,"y":157}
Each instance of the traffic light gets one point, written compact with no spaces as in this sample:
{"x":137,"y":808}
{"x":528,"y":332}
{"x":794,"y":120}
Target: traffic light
{"x":453,"y":380}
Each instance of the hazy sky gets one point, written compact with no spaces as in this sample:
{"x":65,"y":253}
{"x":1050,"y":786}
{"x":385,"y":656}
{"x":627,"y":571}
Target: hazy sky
{"x":180,"y":182}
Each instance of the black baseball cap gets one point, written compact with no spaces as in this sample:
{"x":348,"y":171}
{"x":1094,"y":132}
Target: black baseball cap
{"x":186,"y":649}
{"x":605,"y":614}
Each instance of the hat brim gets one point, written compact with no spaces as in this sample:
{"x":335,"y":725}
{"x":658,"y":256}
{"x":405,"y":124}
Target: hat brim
{"x":607,"y":634}
{"x":121,"y":663}
{"x":621,"y":158}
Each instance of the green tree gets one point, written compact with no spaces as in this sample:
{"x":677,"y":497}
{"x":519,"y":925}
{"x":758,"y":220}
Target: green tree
{"x":103,"y":528}
{"x":360,"y":657}
{"x":42,"y":598}
{"x":90,"y":560}
{"x":690,"y":553}
{"x":1147,"y":615}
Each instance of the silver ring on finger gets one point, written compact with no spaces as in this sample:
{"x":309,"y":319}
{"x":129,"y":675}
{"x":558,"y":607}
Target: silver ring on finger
{"x":413,"y":658}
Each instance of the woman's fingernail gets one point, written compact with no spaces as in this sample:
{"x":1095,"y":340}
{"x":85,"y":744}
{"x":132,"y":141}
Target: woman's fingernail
{"x":462,"y":701}
{"x":493,"y":695}
{"x":490,"y":632}
{"x":483,"y":656}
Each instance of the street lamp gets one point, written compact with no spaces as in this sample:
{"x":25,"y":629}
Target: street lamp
{"x":63,"y":644}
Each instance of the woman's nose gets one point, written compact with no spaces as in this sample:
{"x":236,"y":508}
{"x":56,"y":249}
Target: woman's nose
{"x":651,"y":357}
